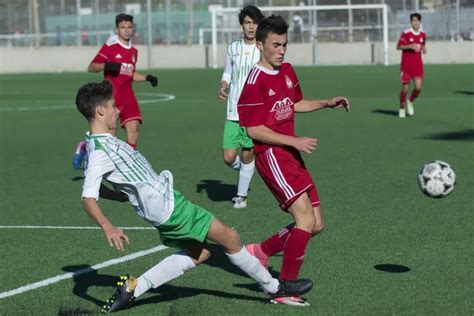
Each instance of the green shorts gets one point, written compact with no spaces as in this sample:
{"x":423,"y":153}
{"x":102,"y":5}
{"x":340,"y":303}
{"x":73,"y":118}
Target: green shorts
{"x":188,"y":223}
{"x":235,"y":136}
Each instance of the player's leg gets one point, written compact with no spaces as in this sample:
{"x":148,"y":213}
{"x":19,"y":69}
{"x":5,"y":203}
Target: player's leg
{"x":231,"y":145}
{"x":247,"y":168}
{"x":79,"y":155}
{"x":132,"y":127}
{"x":414,"y":94}
{"x":170,"y":268}
{"x":240,"y":257}
{"x":403,"y":95}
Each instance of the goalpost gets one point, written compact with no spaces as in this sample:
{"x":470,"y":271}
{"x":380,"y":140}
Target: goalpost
{"x":220,"y":12}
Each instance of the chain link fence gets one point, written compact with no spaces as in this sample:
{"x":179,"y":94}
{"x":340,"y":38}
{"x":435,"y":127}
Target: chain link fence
{"x":187,"y":22}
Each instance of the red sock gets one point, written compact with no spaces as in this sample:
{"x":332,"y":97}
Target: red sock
{"x":414,"y":94}
{"x":134,"y":146}
{"x":293,"y":255}
{"x":276,"y":243}
{"x":403,"y":99}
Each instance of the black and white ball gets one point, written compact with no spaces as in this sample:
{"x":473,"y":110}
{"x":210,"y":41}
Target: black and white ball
{"x":436,"y":179}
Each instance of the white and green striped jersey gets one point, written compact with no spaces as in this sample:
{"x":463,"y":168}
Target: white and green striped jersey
{"x":113,"y":160}
{"x":239,"y":60}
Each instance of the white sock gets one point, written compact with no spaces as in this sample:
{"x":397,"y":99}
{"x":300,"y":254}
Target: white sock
{"x":168,"y":269}
{"x":236,"y":164}
{"x":245,"y":176}
{"x":254,"y":269}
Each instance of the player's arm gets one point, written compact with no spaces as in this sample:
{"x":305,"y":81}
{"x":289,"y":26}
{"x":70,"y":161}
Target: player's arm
{"x":226,"y":76}
{"x":98,"y":166}
{"x":304,"y":106}
{"x":407,"y":47}
{"x":114,"y":235}
{"x":265,"y":135}
{"x":101,"y":63}
{"x":106,"y":193}
{"x":141,"y":77}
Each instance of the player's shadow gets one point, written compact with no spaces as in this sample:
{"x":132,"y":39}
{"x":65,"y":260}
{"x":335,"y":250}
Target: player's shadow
{"x":168,"y":293}
{"x":77,"y":178}
{"x":465,"y":135}
{"x":216,"y":190}
{"x":85,"y":276}
{"x":464,"y":92}
{"x":392,"y":268}
{"x":386,"y":112}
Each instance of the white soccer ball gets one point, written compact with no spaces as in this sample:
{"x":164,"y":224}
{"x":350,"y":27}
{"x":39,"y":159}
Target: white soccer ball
{"x":436,"y":179}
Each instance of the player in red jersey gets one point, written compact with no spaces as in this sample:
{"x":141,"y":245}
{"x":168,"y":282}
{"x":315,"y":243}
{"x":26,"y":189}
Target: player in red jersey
{"x":412,"y":43}
{"x":267,"y":106}
{"x":117,"y":59}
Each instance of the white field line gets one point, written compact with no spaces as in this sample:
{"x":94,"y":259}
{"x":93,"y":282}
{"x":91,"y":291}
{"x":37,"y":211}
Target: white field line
{"x":163,"y":97}
{"x":69,"y":275}
{"x":69,"y":227}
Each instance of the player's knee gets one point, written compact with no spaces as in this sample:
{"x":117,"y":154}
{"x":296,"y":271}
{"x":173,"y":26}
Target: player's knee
{"x":229,"y":158}
{"x":233,"y":240}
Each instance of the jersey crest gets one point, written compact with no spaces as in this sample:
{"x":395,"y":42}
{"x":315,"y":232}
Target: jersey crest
{"x":289,"y":83}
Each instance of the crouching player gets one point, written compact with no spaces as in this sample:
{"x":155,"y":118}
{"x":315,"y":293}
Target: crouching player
{"x":181,"y":224}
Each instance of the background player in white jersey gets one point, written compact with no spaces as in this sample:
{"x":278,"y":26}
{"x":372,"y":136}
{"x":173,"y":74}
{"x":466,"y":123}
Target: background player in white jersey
{"x":181,"y":224}
{"x":240,"y":58}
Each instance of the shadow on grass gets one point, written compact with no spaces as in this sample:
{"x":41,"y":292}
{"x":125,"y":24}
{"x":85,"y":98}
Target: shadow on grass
{"x":78,"y":178}
{"x":392,"y":268}
{"x":466,"y":135}
{"x":84,"y":277}
{"x":386,"y":112}
{"x":216,"y":190}
{"x":464,"y":92}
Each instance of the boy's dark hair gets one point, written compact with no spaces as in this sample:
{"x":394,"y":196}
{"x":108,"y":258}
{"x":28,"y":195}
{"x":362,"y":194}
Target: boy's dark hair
{"x":91,"y":95}
{"x":123,"y":17}
{"x":252,"y":12}
{"x":271,"y":24}
{"x":415,"y":15}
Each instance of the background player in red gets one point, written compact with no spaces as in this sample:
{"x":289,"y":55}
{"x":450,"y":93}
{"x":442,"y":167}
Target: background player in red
{"x":117,"y":59}
{"x":267,"y":107}
{"x":412,"y":43}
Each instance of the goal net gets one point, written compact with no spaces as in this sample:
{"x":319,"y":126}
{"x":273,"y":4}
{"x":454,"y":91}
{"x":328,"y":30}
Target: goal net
{"x":318,"y":26}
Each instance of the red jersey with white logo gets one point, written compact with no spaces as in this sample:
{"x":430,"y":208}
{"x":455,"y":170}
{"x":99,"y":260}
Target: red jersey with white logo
{"x":116,"y":52}
{"x":411,"y":59}
{"x":268,"y":98}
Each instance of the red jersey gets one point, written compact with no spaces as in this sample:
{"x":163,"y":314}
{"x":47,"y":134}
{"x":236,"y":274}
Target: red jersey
{"x":116,"y":52}
{"x":268,"y":98}
{"x":411,"y":60}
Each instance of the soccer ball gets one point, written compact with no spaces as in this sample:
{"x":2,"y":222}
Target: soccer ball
{"x":436,"y":179}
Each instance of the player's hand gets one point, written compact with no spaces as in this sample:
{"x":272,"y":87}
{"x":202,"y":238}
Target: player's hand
{"x":424,"y":50}
{"x":305,"y":144}
{"x":152,"y":79}
{"x":223,"y":91}
{"x":113,"y":68}
{"x":115,"y":236}
{"x":339,"y":102}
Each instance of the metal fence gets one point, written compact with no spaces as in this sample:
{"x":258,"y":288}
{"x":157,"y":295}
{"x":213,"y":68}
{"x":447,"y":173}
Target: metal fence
{"x":91,"y":22}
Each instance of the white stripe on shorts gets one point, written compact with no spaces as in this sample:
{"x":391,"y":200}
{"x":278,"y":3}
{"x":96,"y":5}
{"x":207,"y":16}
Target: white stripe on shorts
{"x":280,"y":179}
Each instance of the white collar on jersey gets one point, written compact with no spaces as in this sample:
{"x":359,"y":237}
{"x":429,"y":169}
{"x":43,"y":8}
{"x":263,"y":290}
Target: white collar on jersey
{"x":114,"y":39}
{"x":267,"y":71}
{"x":250,"y":45}
{"x":416,"y":33}
{"x":88,"y":134}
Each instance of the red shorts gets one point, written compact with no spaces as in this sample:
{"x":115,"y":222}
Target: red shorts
{"x":407,"y":76}
{"x":286,"y":176}
{"x":128,"y":112}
